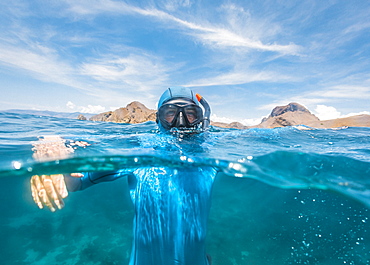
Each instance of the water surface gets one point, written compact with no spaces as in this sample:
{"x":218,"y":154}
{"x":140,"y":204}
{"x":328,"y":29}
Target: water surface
{"x":283,"y":196}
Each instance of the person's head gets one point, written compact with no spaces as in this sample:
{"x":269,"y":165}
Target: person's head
{"x":180,"y":109}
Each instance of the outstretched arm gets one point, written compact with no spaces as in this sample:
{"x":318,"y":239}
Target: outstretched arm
{"x":88,"y":179}
{"x":50,"y":190}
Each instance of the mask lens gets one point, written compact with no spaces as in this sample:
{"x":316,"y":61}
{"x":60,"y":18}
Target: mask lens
{"x":192,"y":114}
{"x":169,"y":113}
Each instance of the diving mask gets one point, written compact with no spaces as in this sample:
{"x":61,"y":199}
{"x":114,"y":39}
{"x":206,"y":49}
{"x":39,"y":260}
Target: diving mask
{"x":180,"y":113}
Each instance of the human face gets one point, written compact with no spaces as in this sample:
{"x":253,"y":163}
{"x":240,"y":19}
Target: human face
{"x":179,"y":114}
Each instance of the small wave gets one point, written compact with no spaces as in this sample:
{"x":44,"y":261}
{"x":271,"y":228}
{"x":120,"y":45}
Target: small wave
{"x":283,"y":169}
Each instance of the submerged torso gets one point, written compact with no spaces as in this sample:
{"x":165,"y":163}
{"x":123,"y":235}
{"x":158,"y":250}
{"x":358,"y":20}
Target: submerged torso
{"x":171,"y":212}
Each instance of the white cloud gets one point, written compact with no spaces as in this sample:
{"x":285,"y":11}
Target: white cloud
{"x":326,"y":112}
{"x":92,"y":109}
{"x":70,"y":105}
{"x":83,"y":109}
{"x":247,"y":122}
{"x":215,"y":118}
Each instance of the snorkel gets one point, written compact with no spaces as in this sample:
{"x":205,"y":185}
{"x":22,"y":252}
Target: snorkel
{"x":207,"y":112}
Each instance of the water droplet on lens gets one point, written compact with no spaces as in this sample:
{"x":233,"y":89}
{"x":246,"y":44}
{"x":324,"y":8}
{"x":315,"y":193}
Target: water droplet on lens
{"x":17,"y":165}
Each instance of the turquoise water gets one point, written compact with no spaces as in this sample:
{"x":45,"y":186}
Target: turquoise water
{"x":283,"y":196}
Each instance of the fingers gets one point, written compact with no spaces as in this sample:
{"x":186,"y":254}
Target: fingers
{"x":49,"y":191}
{"x":39,"y":192}
{"x":77,"y":175}
{"x":50,"y":195}
{"x":60,"y":189}
{"x":35,"y":183}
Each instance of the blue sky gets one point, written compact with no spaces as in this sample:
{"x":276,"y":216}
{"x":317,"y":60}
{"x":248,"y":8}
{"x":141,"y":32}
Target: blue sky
{"x":244,"y":57}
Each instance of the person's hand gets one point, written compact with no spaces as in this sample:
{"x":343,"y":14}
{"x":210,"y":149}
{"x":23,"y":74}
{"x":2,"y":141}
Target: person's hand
{"x":49,"y":191}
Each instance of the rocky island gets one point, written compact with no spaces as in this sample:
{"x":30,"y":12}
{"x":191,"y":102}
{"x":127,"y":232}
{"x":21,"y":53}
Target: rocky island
{"x":135,"y":112}
{"x":296,"y":114}
{"x":281,"y":116}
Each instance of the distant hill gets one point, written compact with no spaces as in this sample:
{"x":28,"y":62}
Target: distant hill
{"x":233,"y":125}
{"x":295,"y":114}
{"x":135,"y":112}
{"x":362,"y":120}
{"x":281,"y":116}
{"x":67,"y":115}
{"x":289,"y":115}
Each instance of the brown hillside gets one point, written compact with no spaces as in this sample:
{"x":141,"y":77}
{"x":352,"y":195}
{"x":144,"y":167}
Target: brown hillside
{"x":135,"y":112}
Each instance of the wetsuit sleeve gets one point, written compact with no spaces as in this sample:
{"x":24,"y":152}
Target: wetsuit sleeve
{"x":92,"y":178}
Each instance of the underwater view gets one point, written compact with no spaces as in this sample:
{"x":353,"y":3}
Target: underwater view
{"x":292,"y":195}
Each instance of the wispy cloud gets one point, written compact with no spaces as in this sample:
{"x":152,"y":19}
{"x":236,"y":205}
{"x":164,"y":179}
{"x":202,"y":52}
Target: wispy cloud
{"x":343,"y":92}
{"x":357,"y":27}
{"x":142,"y":72}
{"x":211,"y":35}
{"x":238,"y":77}
{"x":39,"y":61}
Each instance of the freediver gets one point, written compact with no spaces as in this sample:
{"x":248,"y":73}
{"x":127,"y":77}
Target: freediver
{"x":171,"y":205}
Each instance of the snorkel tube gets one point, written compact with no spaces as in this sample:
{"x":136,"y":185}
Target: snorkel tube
{"x":207,"y":112}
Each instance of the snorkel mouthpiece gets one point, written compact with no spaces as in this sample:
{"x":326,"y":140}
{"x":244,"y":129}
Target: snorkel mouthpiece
{"x":207,"y":111}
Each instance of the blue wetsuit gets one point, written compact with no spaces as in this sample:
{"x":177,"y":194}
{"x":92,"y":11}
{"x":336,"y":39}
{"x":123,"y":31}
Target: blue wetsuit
{"x":171,"y":211}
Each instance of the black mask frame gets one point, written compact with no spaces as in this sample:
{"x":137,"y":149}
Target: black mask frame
{"x":173,"y":115}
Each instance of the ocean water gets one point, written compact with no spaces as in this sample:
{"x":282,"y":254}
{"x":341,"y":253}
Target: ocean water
{"x":290,"y":195}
